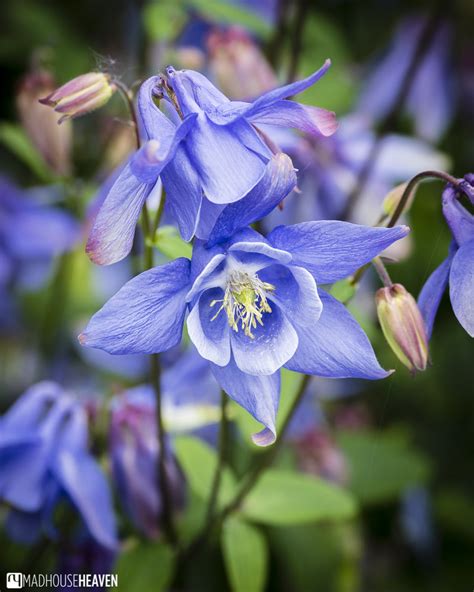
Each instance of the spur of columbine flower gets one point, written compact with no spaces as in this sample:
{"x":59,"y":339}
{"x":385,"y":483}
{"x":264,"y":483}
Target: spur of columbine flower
{"x":458,"y":268}
{"x":208,"y":153}
{"x":254,"y":307}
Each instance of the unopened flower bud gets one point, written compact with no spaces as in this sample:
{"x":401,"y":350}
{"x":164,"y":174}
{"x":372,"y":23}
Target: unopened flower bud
{"x":393,"y":197}
{"x":403,"y":326}
{"x":239,"y":66}
{"x":81,"y":95}
{"x":39,"y":122}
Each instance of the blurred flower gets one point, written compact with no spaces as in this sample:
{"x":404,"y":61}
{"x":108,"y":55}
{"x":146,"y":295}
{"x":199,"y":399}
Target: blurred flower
{"x":31,"y":235}
{"x":40,"y":123}
{"x":81,"y":95}
{"x":133,"y":440}
{"x":457,"y":268}
{"x":238,"y":65}
{"x":254,"y":307}
{"x":45,"y":464}
{"x":318,"y":454}
{"x":403,"y":326}
{"x":416,"y":517}
{"x":214,"y":151}
{"x":430,"y":101}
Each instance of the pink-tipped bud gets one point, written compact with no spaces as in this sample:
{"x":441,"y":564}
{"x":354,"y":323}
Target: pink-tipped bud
{"x":81,"y":95}
{"x":403,"y":326}
{"x":239,"y":66}
{"x":39,"y":122}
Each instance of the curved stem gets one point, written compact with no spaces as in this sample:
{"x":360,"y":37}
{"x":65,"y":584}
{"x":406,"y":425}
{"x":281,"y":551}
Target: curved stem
{"x":411,"y":185}
{"x":220,"y":462}
{"x":382,"y":272}
{"x":127,"y":95}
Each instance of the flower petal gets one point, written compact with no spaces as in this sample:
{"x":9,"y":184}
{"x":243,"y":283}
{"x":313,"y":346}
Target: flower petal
{"x":210,"y":335}
{"x":227,"y":169}
{"x":180,"y":179}
{"x":146,"y":316}
{"x":312,"y":120}
{"x":332,"y":250}
{"x":259,"y":395}
{"x":273,"y":344}
{"x":111,"y":237}
{"x":87,"y":488}
{"x":279,"y":179}
{"x":461,"y":286}
{"x":155,"y":124}
{"x":432,"y":292}
{"x":334,"y":347}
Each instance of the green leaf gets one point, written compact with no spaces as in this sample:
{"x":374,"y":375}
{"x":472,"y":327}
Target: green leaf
{"x":14,"y":138}
{"x":283,"y":497}
{"x":168,"y":241}
{"x":163,"y":20}
{"x":225,"y":12}
{"x":245,"y":555}
{"x":146,"y":566}
{"x":198,"y":461}
{"x":381,"y":464}
{"x":344,"y":290}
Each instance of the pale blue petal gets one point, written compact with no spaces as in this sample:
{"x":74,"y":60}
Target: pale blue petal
{"x":432,"y":292}
{"x":332,"y":250}
{"x":461,"y":286}
{"x":146,"y":316}
{"x":259,"y":395}
{"x":335,"y":346}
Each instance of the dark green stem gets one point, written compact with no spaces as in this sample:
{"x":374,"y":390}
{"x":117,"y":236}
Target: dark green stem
{"x":222,"y":451}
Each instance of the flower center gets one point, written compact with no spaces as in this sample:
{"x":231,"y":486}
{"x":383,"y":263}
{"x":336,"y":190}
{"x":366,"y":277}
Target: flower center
{"x":244,"y":302}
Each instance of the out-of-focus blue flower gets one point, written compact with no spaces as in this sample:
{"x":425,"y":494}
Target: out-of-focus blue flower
{"x":457,"y":268}
{"x":329,"y":168}
{"x":190,"y":395}
{"x":430,"y":101}
{"x":205,"y":147}
{"x":254,"y":307}
{"x":45,"y":461}
{"x":31,"y":234}
{"x":416,"y":517}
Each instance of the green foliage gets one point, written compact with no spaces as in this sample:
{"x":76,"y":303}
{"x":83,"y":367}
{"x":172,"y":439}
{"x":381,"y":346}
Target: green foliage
{"x":283,"y":497}
{"x":344,"y":290}
{"x":382,"y":464}
{"x":245,"y":555}
{"x":163,"y":20}
{"x":14,"y":138}
{"x":198,"y":461}
{"x":145,"y":566}
{"x":168,"y":242}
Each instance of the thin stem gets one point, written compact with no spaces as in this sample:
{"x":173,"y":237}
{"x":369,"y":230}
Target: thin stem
{"x":276,"y":44}
{"x":382,"y":272}
{"x":222,"y":451}
{"x":424,"y":42}
{"x":297,"y":39}
{"x":411,"y":185}
{"x":163,"y":477}
{"x":127,"y":95}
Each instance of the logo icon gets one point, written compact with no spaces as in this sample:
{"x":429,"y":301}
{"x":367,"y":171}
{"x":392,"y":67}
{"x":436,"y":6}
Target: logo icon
{"x":14,"y":580}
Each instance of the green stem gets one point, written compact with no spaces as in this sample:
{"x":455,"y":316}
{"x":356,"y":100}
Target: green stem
{"x":222,"y":449}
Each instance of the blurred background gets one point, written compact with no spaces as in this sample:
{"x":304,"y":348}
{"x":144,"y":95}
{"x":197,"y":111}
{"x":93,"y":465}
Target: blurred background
{"x":402,"y":446}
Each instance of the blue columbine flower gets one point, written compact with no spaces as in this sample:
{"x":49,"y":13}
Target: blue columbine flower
{"x":208,"y":154}
{"x":254,"y":306}
{"x":44,"y":461}
{"x":457,"y":268}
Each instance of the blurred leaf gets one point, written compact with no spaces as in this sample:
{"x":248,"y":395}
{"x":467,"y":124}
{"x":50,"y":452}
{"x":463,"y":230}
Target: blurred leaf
{"x":14,"y":138}
{"x":322,"y":40}
{"x":245,"y":555}
{"x":198,"y":461}
{"x":225,"y":12}
{"x":381,"y":464}
{"x":163,"y":20}
{"x":455,"y":511}
{"x":168,"y":241}
{"x":283,"y":497}
{"x":146,"y":566}
{"x":344,"y":290}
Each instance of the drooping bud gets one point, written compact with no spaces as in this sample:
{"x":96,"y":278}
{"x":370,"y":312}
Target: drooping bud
{"x":239,"y":66}
{"x":81,"y":95}
{"x":39,"y":122}
{"x":403,"y":326}
{"x":393,"y":197}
